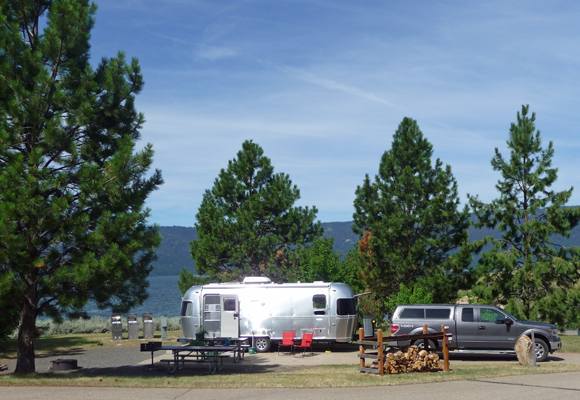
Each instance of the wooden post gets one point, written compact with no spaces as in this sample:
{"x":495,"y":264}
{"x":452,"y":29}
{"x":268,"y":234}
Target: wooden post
{"x":446,"y":341}
{"x":361,"y":336}
{"x":426,"y":341}
{"x":534,"y":350}
{"x":380,"y":351}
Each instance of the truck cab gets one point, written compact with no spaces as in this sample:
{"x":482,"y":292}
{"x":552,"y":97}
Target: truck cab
{"x":475,"y":327}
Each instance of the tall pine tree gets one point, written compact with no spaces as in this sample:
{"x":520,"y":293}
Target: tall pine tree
{"x":247,"y":224}
{"x":409,"y":221}
{"x":526,"y":270}
{"x":72,"y":223}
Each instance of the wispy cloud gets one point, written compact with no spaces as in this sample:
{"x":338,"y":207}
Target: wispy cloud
{"x":215,"y":53}
{"x":338,"y":86}
{"x":322,"y":86}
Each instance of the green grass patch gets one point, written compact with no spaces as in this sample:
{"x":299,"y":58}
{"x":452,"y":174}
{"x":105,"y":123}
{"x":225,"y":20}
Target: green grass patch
{"x":315,"y":377}
{"x":570,"y":344}
{"x":48,"y":344}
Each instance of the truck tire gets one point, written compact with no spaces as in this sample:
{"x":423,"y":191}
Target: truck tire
{"x":421,"y":344}
{"x":262,"y":344}
{"x":542,"y":350}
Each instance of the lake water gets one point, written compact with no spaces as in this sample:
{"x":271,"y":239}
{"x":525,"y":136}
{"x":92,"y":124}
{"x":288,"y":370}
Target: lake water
{"x":164,"y":299}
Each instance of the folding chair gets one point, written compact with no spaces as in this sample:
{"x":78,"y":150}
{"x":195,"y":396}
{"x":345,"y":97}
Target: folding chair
{"x":287,"y":340}
{"x":306,"y":344}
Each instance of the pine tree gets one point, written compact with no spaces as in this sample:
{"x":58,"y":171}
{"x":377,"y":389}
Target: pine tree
{"x":187,"y":280}
{"x":525,"y":270}
{"x":319,"y":261}
{"x":72,"y":188}
{"x":409,"y":221}
{"x":247,"y":223}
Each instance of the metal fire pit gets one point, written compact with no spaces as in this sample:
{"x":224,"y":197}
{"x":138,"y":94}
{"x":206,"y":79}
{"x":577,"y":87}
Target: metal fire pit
{"x":64,"y":365}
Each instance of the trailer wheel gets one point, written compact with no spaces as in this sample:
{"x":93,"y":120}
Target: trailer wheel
{"x":262,"y":344}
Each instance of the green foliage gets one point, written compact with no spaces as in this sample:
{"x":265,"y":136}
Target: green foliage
{"x":317,"y":262}
{"x":410,"y":223}
{"x":187,"y":280}
{"x":247,"y":224}
{"x":525,"y":270}
{"x":72,"y":187}
{"x":417,"y":295}
{"x":373,"y":305}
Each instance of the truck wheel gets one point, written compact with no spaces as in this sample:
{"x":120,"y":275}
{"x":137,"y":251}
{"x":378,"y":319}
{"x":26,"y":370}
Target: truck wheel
{"x":421,"y":344}
{"x":262,"y":344}
{"x":542,"y":350}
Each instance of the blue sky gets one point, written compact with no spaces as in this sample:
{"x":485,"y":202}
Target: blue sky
{"x":321,"y":86}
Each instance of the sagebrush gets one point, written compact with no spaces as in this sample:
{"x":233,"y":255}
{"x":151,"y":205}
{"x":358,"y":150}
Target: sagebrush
{"x":93,"y":325}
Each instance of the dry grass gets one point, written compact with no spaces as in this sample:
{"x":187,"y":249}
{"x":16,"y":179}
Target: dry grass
{"x":315,"y":377}
{"x":304,"y":377}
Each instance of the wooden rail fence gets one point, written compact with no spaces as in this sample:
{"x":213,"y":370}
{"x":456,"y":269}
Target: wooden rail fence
{"x":378,"y":347}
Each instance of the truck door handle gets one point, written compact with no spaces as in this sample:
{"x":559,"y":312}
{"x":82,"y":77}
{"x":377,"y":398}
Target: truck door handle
{"x":482,"y":327}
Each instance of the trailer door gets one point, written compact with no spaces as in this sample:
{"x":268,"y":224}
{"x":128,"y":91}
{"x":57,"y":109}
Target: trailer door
{"x":230,"y":316}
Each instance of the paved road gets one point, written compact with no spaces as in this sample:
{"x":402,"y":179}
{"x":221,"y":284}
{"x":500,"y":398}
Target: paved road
{"x":128,"y":360}
{"x":530,"y":387}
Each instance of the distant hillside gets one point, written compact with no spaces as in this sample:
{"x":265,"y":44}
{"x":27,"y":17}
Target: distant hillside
{"x":174,"y":253}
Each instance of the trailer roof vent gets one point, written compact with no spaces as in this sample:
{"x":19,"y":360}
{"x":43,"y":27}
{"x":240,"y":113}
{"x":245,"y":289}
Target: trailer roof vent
{"x":256,"y":279}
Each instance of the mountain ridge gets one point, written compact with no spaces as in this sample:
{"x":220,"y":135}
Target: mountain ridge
{"x":174,"y":252}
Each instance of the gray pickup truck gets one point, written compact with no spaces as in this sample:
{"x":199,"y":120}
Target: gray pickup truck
{"x":475,"y":327}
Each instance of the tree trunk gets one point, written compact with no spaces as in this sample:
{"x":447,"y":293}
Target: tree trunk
{"x":25,"y":347}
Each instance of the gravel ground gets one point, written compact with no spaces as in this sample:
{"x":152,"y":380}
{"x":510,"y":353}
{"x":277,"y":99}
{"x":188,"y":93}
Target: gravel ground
{"x":128,"y":360}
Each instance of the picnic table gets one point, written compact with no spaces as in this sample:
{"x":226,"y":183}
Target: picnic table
{"x":212,"y":355}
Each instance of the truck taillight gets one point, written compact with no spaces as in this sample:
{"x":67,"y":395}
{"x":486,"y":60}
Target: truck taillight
{"x":394,"y":329}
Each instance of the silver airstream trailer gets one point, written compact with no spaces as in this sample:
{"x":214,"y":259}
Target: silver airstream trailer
{"x":262,"y":310}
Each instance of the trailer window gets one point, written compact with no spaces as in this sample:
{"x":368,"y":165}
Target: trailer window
{"x":230,"y":304}
{"x":345,"y":307}
{"x":319,"y":304}
{"x":186,"y":309}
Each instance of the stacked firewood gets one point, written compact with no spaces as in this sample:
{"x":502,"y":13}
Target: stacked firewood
{"x":411,"y":360}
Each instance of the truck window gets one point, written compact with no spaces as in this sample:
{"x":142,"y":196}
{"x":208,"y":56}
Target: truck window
{"x":437,"y":313}
{"x":490,"y":315}
{"x":345,"y":307}
{"x":412,"y":313}
{"x":186,"y":309}
{"x":319,"y":304}
{"x":467,"y":315}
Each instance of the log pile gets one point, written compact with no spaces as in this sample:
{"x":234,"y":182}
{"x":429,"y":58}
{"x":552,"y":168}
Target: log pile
{"x":412,"y":360}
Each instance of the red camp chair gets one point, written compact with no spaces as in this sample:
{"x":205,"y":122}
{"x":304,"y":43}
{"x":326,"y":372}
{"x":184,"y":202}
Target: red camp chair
{"x":287,"y":340}
{"x":306,"y":344}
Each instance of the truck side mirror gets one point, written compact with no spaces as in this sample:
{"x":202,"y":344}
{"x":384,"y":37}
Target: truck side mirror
{"x":508,"y":321}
